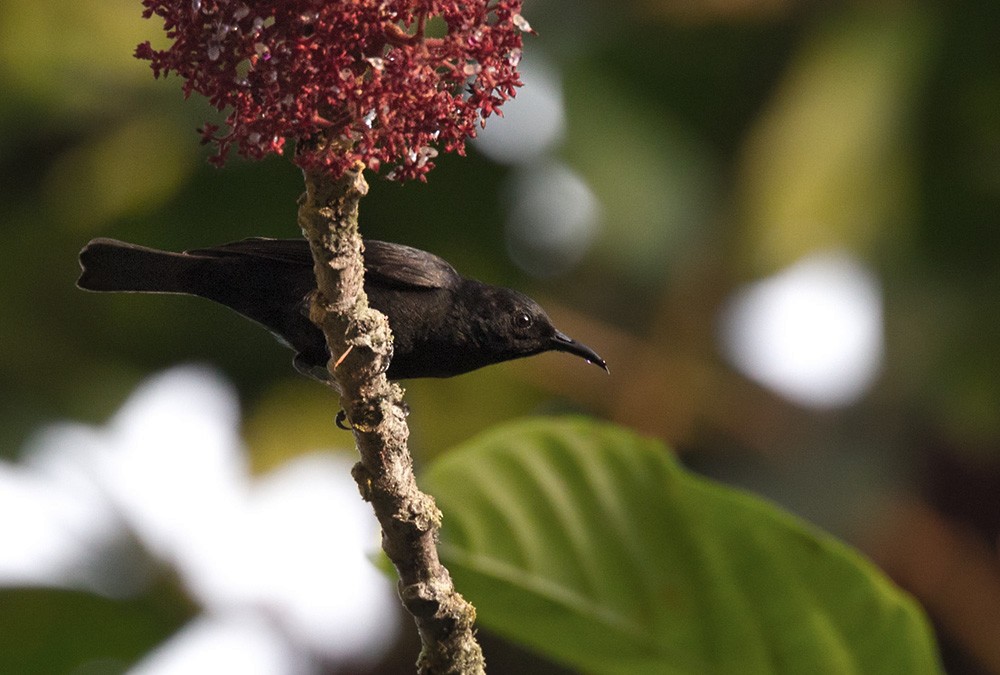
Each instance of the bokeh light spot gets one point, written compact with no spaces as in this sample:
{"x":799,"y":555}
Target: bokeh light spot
{"x":813,"y":333}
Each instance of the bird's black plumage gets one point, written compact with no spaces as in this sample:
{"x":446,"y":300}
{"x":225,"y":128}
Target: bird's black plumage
{"x":443,"y":324}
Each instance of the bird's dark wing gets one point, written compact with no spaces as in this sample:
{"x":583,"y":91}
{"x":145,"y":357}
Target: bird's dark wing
{"x":290,"y":251}
{"x":388,"y":264}
{"x":401,"y":266}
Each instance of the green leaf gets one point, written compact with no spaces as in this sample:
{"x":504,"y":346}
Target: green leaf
{"x":44,"y":630}
{"x":594,"y":547}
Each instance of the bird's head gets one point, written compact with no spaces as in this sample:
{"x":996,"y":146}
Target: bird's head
{"x":517,"y":326}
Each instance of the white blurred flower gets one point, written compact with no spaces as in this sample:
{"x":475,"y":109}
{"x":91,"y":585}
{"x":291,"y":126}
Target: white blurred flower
{"x":278,"y":564}
{"x":813,"y":332}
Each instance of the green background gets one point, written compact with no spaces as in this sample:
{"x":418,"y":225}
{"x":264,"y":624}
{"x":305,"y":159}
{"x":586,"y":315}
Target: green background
{"x":724,"y":140}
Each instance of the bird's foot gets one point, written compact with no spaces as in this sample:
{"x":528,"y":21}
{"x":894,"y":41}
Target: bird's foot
{"x":339,"y":421}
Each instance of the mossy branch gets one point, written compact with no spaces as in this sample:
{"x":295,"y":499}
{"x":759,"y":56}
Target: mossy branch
{"x":360,"y":342}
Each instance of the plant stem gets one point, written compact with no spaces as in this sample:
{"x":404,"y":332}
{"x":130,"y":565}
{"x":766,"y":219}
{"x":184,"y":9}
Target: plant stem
{"x":360,"y":344}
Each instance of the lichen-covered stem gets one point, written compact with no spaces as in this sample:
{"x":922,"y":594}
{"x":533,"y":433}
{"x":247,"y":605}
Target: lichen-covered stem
{"x":360,"y":343}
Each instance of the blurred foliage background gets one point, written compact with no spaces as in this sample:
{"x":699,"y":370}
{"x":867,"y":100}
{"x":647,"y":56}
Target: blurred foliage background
{"x":680,"y":151}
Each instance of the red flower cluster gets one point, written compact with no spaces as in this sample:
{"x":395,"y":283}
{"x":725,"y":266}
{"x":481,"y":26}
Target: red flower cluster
{"x":380,"y":81}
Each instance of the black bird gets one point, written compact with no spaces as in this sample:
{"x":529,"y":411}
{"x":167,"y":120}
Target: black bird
{"x":443,"y":324}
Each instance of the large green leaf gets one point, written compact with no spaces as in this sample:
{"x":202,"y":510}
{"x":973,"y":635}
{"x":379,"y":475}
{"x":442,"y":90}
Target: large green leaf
{"x":44,"y":630}
{"x":593,"y":546}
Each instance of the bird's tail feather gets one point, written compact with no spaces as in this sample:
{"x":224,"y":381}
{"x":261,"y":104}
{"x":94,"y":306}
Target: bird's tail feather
{"x":112,"y":265}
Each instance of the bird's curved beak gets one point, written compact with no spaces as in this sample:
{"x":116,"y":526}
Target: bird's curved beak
{"x":564,"y":343}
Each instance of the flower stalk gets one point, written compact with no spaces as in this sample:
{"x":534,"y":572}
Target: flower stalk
{"x":360,"y":344}
{"x":353,"y":86}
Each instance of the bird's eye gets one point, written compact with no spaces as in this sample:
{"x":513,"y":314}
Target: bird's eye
{"x":522,"y":320}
